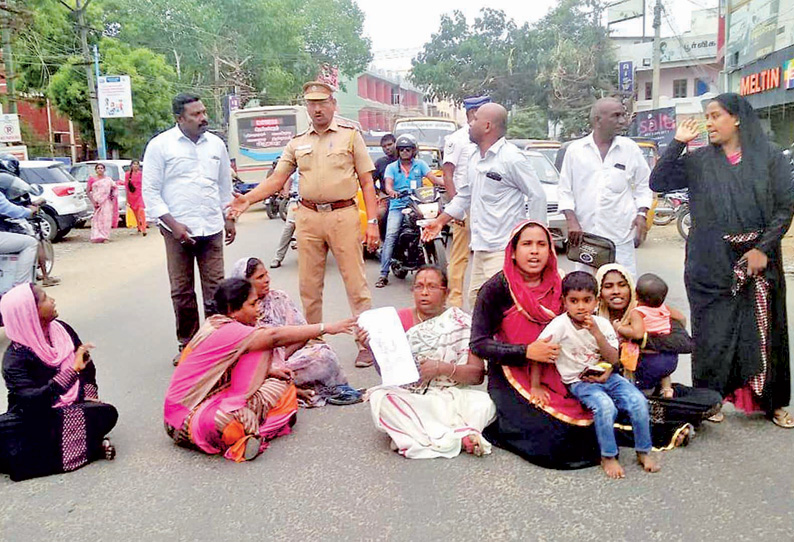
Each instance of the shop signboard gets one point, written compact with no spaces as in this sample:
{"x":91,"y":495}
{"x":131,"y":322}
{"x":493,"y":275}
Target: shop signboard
{"x":656,"y":124}
{"x":626,"y":76}
{"x":767,"y":82}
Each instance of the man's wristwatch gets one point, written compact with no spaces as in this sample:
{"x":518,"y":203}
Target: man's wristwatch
{"x":373,"y":221}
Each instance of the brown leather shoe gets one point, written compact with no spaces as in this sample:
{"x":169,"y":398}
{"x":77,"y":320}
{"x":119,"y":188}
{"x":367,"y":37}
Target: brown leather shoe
{"x":364,"y":358}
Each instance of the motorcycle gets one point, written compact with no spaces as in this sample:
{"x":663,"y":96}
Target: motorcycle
{"x":667,"y":208}
{"x":21,"y":193}
{"x":273,"y":204}
{"x":684,"y":221}
{"x":410,"y":253}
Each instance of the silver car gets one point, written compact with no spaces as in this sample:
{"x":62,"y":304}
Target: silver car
{"x":550,"y":179}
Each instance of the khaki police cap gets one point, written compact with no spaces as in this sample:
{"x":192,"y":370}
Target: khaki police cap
{"x":317,"y":90}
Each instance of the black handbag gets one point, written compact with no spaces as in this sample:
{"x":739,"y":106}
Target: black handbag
{"x":593,"y":251}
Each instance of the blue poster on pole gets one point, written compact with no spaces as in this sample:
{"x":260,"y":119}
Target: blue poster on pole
{"x":626,"y":76}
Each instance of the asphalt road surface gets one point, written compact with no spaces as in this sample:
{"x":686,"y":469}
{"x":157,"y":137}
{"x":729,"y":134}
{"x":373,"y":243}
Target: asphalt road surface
{"x":335,"y":477}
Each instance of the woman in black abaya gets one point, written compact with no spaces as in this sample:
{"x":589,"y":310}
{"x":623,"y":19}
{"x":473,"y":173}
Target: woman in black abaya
{"x":741,"y":203}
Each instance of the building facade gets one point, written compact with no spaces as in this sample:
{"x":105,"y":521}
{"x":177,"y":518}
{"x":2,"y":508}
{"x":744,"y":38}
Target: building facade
{"x":759,"y":60}
{"x":689,"y":66}
{"x":375,"y":100}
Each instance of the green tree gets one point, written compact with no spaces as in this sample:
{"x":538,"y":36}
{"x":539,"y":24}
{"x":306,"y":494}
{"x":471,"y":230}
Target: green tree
{"x":560,"y":64}
{"x":264,"y":48}
{"x":530,"y":123}
{"x":151,"y":79}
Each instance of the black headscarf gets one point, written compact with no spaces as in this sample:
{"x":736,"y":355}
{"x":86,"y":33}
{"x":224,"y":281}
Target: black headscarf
{"x":752,"y":138}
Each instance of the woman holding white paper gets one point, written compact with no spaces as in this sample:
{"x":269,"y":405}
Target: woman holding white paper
{"x":437,"y":416}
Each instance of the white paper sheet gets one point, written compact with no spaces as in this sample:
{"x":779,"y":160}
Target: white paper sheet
{"x":390,"y":346}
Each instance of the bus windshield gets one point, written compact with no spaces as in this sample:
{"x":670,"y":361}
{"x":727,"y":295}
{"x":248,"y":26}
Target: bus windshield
{"x":427,"y":132}
{"x":263,"y":136}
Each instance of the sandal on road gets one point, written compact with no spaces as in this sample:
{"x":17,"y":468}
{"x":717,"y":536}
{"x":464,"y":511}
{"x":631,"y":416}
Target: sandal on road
{"x":108,"y":449}
{"x":719,"y":417}
{"x":782,"y":418}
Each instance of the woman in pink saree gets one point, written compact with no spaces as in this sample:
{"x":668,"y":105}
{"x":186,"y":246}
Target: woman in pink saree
{"x":103,"y":192}
{"x":225,"y":396}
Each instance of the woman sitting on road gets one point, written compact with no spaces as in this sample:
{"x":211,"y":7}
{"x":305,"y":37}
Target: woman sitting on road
{"x":55,"y":422}
{"x":512,"y":309}
{"x":438,"y":416}
{"x":103,"y":193}
{"x":225,"y":396}
{"x":672,"y":418}
{"x":314,"y":364}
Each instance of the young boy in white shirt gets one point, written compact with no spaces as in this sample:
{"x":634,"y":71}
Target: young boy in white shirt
{"x":588,"y":355}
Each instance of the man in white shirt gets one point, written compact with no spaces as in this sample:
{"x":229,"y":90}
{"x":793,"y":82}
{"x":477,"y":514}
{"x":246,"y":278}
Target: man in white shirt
{"x":187,"y":185}
{"x":458,"y":148}
{"x":502,"y":190}
{"x":604,"y":184}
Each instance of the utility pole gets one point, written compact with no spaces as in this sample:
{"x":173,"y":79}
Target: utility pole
{"x":103,"y":152}
{"x":79,"y":11}
{"x":657,"y":53}
{"x":8,"y":59}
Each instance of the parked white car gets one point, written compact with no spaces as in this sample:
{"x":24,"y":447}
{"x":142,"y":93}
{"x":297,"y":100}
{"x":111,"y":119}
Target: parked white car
{"x":550,"y":179}
{"x":115,"y":169}
{"x":67,"y":204}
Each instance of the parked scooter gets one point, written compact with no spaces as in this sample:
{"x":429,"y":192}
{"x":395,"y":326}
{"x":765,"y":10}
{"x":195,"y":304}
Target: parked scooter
{"x":668,"y":205}
{"x":410,"y":253}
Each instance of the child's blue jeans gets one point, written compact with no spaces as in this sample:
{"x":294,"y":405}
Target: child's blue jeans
{"x":605,"y":400}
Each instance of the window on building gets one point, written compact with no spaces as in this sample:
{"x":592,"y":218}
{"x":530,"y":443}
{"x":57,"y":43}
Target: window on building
{"x":679,"y":88}
{"x":648,"y":91}
{"x":701,"y":87}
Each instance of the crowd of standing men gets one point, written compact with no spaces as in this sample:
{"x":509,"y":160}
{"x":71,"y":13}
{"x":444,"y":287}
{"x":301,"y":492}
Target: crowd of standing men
{"x":490,"y":185}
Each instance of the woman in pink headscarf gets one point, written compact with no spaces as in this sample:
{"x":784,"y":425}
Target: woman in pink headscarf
{"x":55,"y":422}
{"x":103,"y":192}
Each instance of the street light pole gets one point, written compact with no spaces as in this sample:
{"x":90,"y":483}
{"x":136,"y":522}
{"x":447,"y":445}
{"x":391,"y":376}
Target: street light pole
{"x":657,"y":53}
{"x":103,"y":153}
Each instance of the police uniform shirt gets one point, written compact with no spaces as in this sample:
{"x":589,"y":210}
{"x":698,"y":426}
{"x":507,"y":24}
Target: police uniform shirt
{"x":328,"y":163}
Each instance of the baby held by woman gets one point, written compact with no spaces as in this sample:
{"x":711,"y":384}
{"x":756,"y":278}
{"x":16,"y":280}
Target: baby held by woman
{"x":654,"y":317}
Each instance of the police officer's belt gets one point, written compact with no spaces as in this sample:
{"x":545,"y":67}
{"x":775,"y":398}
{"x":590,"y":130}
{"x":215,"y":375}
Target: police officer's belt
{"x":330,"y":206}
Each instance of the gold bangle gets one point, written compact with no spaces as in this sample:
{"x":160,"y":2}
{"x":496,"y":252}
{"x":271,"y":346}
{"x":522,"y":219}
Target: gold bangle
{"x":322,"y":329}
{"x":454,"y":368}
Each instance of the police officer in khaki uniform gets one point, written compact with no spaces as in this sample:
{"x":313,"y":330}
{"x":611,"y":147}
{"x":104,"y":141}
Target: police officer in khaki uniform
{"x":332,"y":161}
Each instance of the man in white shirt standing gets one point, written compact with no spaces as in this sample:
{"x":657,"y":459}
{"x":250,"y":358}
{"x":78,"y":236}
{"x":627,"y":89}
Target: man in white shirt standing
{"x":604,"y":184}
{"x":458,"y":148}
{"x":502,"y":190}
{"x":187,"y":185}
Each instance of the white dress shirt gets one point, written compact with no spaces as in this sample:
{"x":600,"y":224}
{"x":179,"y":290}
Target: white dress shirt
{"x":605,"y":195}
{"x":191,"y":181}
{"x":496,"y":206}
{"x":457,"y":151}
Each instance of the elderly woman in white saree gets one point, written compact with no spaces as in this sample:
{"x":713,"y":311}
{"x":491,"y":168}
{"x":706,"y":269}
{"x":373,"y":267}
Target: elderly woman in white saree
{"x":438,"y":416}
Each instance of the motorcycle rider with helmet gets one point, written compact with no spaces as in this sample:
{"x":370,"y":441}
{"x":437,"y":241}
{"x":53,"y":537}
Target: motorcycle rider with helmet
{"x":16,"y":243}
{"x":403,"y":175}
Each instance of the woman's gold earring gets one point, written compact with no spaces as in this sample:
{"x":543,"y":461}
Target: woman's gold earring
{"x":737,"y":123}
